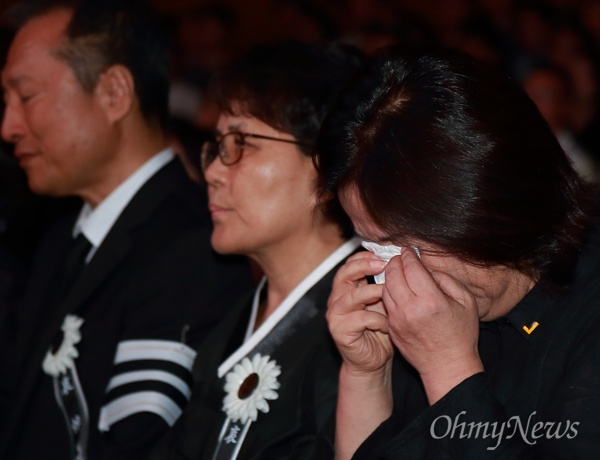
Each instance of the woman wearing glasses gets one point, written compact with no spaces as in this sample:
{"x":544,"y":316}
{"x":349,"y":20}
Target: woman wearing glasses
{"x":484,"y":339}
{"x":266,"y":379}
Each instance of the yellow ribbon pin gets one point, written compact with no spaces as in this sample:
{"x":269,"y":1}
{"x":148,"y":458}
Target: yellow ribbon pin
{"x":530,"y":329}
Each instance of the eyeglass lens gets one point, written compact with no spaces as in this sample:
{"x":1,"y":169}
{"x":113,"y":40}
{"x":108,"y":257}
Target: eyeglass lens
{"x":229,"y":148}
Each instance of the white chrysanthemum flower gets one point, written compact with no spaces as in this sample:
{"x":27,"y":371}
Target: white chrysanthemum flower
{"x":58,"y":361}
{"x":248,"y":386}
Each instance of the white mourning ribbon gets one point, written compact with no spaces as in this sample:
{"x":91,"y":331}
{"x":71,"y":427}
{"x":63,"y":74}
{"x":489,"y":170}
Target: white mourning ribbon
{"x":71,"y":400}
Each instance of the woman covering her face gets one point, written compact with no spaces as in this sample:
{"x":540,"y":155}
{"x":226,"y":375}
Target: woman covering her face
{"x":483,"y":339}
{"x":266,"y":379}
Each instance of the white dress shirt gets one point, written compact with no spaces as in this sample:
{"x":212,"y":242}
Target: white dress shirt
{"x":96,"y":223}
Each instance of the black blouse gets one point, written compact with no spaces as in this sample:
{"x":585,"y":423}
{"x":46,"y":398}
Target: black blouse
{"x":538,"y":397}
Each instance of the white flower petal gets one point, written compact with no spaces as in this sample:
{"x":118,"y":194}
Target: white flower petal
{"x":63,"y":359}
{"x":247,"y":366}
{"x":247,"y":409}
{"x":252,"y":413}
{"x":262,"y":405}
{"x":270,"y":394}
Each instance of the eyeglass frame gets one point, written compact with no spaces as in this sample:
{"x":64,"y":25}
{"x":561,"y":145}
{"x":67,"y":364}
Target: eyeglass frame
{"x":219,"y":139}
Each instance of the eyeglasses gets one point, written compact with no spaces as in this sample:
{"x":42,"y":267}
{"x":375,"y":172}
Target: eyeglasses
{"x":230,"y":147}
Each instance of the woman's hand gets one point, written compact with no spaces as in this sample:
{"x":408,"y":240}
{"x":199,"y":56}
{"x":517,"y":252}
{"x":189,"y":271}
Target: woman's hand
{"x":357,"y":318}
{"x":359,"y":326}
{"x":434,"y":322}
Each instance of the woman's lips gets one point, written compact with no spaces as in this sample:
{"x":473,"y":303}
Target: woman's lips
{"x":216,"y":211}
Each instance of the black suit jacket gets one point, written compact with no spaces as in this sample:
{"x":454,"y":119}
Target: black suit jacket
{"x":154,"y":277}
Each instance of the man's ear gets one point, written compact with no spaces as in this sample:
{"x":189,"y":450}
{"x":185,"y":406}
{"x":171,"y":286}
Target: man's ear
{"x":116,"y":92}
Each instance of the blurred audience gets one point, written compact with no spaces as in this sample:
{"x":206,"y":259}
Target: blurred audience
{"x":202,"y":44}
{"x":552,"y":93}
{"x":302,"y":21}
{"x":516,"y":36}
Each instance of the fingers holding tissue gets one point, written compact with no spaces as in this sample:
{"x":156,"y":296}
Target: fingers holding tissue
{"x":356,"y":315}
{"x":433,"y":319}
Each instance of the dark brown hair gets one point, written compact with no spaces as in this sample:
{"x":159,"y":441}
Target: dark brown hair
{"x":289,"y":86}
{"x":450,"y":151}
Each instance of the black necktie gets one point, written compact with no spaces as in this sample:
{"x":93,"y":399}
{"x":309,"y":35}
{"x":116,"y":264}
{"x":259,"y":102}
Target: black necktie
{"x":73,"y":262}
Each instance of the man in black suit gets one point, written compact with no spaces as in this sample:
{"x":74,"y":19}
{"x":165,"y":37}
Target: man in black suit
{"x":102,"y":351}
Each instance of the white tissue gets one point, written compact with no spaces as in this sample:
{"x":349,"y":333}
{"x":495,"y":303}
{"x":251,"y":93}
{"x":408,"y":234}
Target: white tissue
{"x":385,"y":253}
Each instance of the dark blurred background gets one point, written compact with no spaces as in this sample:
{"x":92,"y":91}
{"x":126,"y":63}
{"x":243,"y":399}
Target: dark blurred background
{"x":551,"y":47}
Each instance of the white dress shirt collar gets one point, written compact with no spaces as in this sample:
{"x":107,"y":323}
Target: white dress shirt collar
{"x":96,"y":223}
